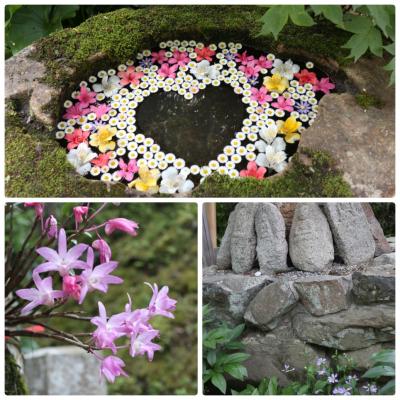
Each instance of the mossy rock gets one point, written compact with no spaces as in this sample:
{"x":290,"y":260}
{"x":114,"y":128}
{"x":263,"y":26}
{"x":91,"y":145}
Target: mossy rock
{"x":36,"y":165}
{"x":14,"y":381}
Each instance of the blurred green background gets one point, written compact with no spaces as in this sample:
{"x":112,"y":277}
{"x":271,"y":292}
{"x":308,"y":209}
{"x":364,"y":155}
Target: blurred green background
{"x":164,"y":252}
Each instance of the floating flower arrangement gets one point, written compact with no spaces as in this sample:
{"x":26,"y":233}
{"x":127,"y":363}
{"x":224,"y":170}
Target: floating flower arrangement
{"x":99,"y":126}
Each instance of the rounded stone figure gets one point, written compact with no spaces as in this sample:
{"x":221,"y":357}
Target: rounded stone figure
{"x":243,"y":240}
{"x":310,"y":241}
{"x":272,"y":247}
{"x":224,"y":259}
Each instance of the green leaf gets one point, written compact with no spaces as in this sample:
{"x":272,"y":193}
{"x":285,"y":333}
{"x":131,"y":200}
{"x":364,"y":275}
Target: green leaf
{"x":274,"y":20}
{"x":236,"y":370}
{"x":234,"y":358}
{"x":300,"y":16}
{"x":381,"y":16}
{"x":9,"y":12}
{"x":331,"y":12}
{"x":389,"y":388}
{"x":358,"y":46}
{"x":237,"y":331}
{"x":390,"y":48}
{"x":357,"y":24}
{"x":375,"y":42}
{"x":30,"y":23}
{"x":385,"y":356}
{"x":378,"y":371}
{"x":303,"y":390}
{"x":211,"y":357}
{"x":219,"y":382}
{"x":273,"y":386}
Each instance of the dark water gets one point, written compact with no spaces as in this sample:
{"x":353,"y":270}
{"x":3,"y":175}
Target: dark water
{"x":196,"y":130}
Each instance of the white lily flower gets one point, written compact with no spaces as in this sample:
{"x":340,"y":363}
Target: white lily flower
{"x":269,"y":133}
{"x":272,"y":155}
{"x":80,"y":158}
{"x":287,"y":69}
{"x":203,"y":69}
{"x":172,"y":181}
{"x":109,"y":85}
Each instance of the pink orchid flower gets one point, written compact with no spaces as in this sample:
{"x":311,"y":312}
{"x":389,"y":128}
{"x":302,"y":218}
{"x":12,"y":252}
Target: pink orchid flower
{"x":130,"y":77}
{"x":121,"y":224}
{"x":97,"y":278}
{"x":50,"y":227}
{"x":204,"y":54}
{"x":283,"y":104}
{"x":102,"y":159}
{"x":71,"y":287}
{"x":179,"y":57}
{"x":111,"y":367}
{"x":86,"y":97}
{"x":167,"y":71}
{"x":243,"y":58}
{"x":141,"y":343}
{"x":79,"y":213}
{"x":75,"y":111}
{"x":263,"y":62}
{"x":160,"y":303}
{"x":100,"y":110}
{"x":75,"y":138}
{"x":253,"y":171}
{"x":324,"y":85}
{"x":104,"y":250}
{"x":261,"y":95}
{"x":107,"y":330}
{"x":159,"y":57}
{"x":127,"y":171}
{"x":39,"y":207}
{"x":62,"y":261}
{"x":43,"y":294}
{"x":250,"y":69}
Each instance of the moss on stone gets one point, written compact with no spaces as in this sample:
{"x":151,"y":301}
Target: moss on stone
{"x":315,"y":178}
{"x":366,"y":100}
{"x":14,"y":381}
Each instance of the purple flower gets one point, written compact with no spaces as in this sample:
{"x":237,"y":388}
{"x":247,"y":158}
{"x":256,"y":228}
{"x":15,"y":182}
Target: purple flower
{"x":253,"y":80}
{"x":160,"y":303}
{"x":370,"y":388}
{"x":351,"y":378}
{"x":320,"y":361}
{"x":321,"y":372}
{"x":287,"y":369}
{"x":42,"y":295}
{"x":50,"y":227}
{"x":333,"y":378}
{"x":104,"y":250}
{"x":230,"y":56}
{"x":97,"y":278}
{"x":302,"y":107}
{"x":341,"y":390}
{"x":121,"y":224}
{"x":111,"y":367}
{"x":107,"y":330}
{"x":146,"y":62}
{"x":64,"y":260}
{"x":141,"y":343}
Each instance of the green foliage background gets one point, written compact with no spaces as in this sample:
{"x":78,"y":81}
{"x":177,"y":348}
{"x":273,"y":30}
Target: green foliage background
{"x":164,"y":252}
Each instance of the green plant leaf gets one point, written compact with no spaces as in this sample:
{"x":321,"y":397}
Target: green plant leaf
{"x":375,"y":42}
{"x":389,"y":388}
{"x":219,"y":382}
{"x":274,"y":20}
{"x":303,"y":389}
{"x":381,"y":15}
{"x":357,"y":24}
{"x":236,"y":370}
{"x":212,"y":357}
{"x":357,"y":45}
{"x":378,"y":371}
{"x":391,"y":67}
{"x":384,"y":356}
{"x":390,"y":48}
{"x":300,"y":16}
{"x":331,"y":12}
{"x":235,"y":358}
{"x":273,"y":386}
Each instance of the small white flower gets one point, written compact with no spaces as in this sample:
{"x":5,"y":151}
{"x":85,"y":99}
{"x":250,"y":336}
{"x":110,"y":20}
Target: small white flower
{"x":109,"y":85}
{"x":272,"y":155}
{"x":80,"y":158}
{"x":269,"y":133}
{"x":203,"y":70}
{"x":287,"y":69}
{"x":172,"y":181}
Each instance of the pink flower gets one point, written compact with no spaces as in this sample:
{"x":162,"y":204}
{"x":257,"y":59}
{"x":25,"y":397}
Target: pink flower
{"x":39,"y":207}
{"x":141,"y":343}
{"x":283,"y":104}
{"x":102,"y":159}
{"x":50,"y":227}
{"x":167,"y":71}
{"x":127,"y":171}
{"x":204,"y":54}
{"x":130,"y":76}
{"x":160,"y":303}
{"x":244,"y":58}
{"x":263,"y":62}
{"x":100,"y":110}
{"x":324,"y":85}
{"x":112,"y":367}
{"x":64,"y":260}
{"x":43,"y":294}
{"x":107,"y":330}
{"x":104,"y":250}
{"x":71,"y":287}
{"x":253,"y":171}
{"x":86,"y":98}
{"x":179,"y":57}
{"x":79,"y":213}
{"x":159,"y":56}
{"x":260,"y":95}
{"x":121,"y":224}
{"x":97,"y":278}
{"x":75,"y":138}
{"x":250,"y":69}
{"x":75,"y":111}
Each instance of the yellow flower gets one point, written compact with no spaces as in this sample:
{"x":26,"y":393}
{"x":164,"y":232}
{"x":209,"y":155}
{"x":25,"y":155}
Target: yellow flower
{"x":276,"y":83}
{"x":103,"y":138}
{"x":147,"y":181}
{"x":289,"y":129}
